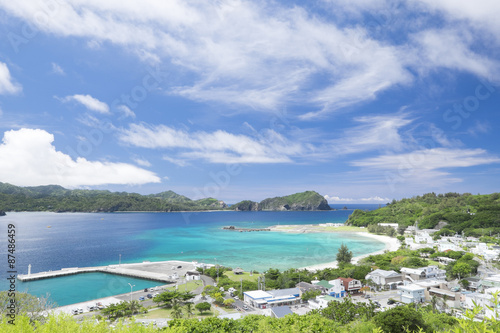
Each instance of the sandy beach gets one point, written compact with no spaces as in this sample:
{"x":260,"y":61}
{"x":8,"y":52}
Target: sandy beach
{"x":391,"y":244}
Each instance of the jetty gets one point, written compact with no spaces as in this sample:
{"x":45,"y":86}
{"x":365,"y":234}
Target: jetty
{"x":162,"y":271}
{"x":233,"y":228}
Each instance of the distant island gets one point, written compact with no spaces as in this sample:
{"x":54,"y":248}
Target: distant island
{"x":55,"y":198}
{"x":308,"y":200}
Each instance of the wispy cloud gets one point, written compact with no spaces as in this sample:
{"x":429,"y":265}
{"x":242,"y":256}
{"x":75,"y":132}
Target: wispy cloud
{"x":374,"y":199}
{"x":7,"y":84}
{"x":56,"y":69}
{"x":375,"y":133}
{"x":29,"y":158}
{"x":215,"y":147}
{"x":126,"y":111}
{"x":89,"y":102}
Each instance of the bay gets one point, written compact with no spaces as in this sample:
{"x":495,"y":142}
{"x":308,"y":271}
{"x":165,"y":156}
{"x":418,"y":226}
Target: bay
{"x":51,"y":241}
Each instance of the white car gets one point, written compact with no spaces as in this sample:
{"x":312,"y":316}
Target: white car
{"x":236,"y":297}
{"x":74,"y":311}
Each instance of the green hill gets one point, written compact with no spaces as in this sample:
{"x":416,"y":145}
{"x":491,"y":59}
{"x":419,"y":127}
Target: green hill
{"x":58,"y":199}
{"x":308,"y":200}
{"x":472,"y":214}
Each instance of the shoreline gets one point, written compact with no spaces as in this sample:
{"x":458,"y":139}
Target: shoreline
{"x":391,"y":244}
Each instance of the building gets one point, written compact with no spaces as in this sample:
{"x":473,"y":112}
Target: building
{"x":305,"y":287}
{"x":265,"y":299}
{"x":444,"y":246}
{"x":423,"y":273}
{"x":334,"y":288}
{"x":351,"y":285}
{"x":485,"y":301}
{"x":321,"y":302}
{"x":280,"y":311}
{"x":412,"y":293}
{"x":385,"y":279}
{"x":193,"y":275}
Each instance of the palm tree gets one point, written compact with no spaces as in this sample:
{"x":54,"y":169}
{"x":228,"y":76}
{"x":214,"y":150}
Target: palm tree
{"x":176,"y":311}
{"x":134,"y":306}
{"x":189,"y":309}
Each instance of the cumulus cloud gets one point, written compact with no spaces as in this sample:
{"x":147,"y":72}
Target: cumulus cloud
{"x":29,"y":158}
{"x":126,"y":111}
{"x":89,"y":102}
{"x":7,"y":84}
{"x":215,"y":147}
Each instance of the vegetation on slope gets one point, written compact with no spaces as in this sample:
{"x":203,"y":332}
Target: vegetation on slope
{"x":472,"y":214}
{"x":309,"y":200}
{"x":58,"y":199}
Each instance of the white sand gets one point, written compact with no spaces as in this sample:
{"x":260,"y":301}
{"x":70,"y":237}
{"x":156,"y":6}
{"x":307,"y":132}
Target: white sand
{"x":391,"y":244}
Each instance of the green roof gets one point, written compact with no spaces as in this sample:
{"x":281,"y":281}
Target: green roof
{"x":324,"y":284}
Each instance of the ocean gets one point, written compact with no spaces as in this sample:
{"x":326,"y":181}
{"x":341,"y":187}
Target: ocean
{"x":51,"y":241}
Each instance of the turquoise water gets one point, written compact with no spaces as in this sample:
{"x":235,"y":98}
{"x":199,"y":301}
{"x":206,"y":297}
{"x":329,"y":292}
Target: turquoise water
{"x":84,"y":287}
{"x":81,"y":240}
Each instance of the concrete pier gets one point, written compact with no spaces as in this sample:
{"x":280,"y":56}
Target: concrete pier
{"x":162,"y":271}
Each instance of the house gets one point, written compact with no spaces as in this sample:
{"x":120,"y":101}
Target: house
{"x":321,"y":302}
{"x":193,"y":275}
{"x":385,"y":279}
{"x":483,"y":300}
{"x":412,"y":293}
{"x":265,"y":299}
{"x":280,"y":311}
{"x":305,"y":287}
{"x":350,"y":285}
{"x":430,"y":272}
{"x":423,"y":238}
{"x":473,"y":282}
{"x":443,"y":246}
{"x":334,"y":288}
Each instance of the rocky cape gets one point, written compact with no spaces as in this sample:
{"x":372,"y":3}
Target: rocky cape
{"x":304,"y":201}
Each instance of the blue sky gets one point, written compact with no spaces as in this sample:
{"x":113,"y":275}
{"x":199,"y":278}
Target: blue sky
{"x":363,"y":102}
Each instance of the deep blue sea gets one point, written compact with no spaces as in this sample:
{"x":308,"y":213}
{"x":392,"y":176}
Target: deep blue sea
{"x":94,"y":239}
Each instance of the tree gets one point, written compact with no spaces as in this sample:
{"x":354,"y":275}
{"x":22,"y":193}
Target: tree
{"x":228,"y":302}
{"x":202,"y":307}
{"x":461,"y":269}
{"x":344,"y":256}
{"x":346,"y":311}
{"x":176,"y":311}
{"x":400,"y":319}
{"x":36,"y":308}
{"x":189,"y":309}
{"x":310,"y":294}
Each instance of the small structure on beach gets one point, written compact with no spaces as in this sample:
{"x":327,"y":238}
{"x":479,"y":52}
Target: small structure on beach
{"x":238,"y":270}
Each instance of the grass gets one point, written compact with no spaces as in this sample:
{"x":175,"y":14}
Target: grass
{"x":167,"y":313}
{"x":191,"y":285}
{"x":245,"y":276}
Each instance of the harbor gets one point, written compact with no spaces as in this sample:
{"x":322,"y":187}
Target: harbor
{"x":162,"y":271}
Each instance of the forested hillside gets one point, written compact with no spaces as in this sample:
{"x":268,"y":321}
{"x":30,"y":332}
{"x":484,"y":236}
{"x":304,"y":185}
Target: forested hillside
{"x":58,"y":199}
{"x":473,"y":214}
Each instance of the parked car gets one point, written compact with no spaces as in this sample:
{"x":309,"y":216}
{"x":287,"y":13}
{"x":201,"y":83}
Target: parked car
{"x":141,"y":298}
{"x":245,"y":307}
{"x":74,"y":311}
{"x":236,"y":297}
{"x":367,"y":296}
{"x":149,"y":296}
{"x":145,"y":289}
{"x":80,"y":310}
{"x":390,"y":302}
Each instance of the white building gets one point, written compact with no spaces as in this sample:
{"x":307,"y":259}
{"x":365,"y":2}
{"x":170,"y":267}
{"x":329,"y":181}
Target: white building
{"x":423,"y":238}
{"x":484,"y":301}
{"x":429,"y":272}
{"x":385,"y":279}
{"x":444,"y":246}
{"x":412,"y":293}
{"x":264,"y":299}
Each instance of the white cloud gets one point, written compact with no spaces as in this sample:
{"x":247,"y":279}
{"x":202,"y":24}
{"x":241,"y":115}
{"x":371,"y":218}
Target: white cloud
{"x":142,"y":162}
{"x":56,"y":69}
{"x":7,"y":85}
{"x":452,"y":49}
{"x":374,"y":199}
{"x":425,"y":166}
{"x":126,"y":111}
{"x":176,"y":161}
{"x":481,"y":14}
{"x":89,"y":102}
{"x":215,"y":147}
{"x":261,"y":55}
{"x":374,"y":133}
{"x":28,"y":158}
